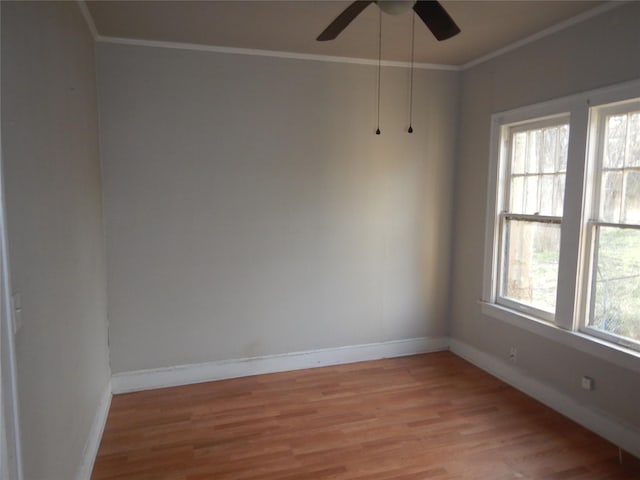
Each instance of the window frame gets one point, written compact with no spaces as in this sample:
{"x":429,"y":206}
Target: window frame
{"x":505,"y":161}
{"x":567,"y":325}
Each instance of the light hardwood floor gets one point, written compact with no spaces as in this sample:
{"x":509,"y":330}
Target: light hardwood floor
{"x":431,"y":416}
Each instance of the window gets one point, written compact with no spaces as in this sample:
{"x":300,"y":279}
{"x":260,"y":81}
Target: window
{"x":613,"y":297}
{"x":531,"y":214}
{"x":563,"y":220}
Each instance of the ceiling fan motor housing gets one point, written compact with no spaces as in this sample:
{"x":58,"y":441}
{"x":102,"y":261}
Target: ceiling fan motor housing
{"x":432,"y":14}
{"x":395,"y":7}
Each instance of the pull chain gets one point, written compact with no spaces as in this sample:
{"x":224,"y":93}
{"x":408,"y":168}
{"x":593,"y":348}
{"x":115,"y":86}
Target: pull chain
{"x":413,"y":25}
{"x":379,"y":64}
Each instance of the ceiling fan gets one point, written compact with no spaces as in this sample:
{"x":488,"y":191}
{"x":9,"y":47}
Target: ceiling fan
{"x":430,"y":12}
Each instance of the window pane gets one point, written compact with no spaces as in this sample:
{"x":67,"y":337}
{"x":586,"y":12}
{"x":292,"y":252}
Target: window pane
{"x":531,"y":195}
{"x":563,"y":147}
{"x":632,"y":198}
{"x":615,"y":139}
{"x":549,"y":152}
{"x":533,"y":151}
{"x":558,"y":195}
{"x":519,"y":152}
{"x":616,"y":302}
{"x":546,"y":194}
{"x":531,"y":263}
{"x":611,"y":196}
{"x":517,"y":194}
{"x":633,"y":157}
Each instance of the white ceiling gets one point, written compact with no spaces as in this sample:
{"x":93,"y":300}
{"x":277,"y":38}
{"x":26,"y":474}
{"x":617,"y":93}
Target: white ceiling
{"x":292,"y":26}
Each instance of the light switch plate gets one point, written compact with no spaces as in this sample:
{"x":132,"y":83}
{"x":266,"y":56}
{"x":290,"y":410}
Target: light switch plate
{"x":16,"y":301}
{"x":587,"y":383}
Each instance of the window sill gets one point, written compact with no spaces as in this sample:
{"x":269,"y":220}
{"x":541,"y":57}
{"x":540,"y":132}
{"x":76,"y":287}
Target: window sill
{"x":610,"y":352}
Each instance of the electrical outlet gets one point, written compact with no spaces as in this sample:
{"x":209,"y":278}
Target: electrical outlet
{"x":513,"y":355}
{"x":587,"y":383}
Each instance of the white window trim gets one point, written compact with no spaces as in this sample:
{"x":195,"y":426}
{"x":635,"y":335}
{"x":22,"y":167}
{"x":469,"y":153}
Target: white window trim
{"x":573,"y":244}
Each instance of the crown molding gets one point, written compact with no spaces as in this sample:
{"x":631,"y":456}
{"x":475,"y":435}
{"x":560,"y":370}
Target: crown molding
{"x":610,"y":5}
{"x":272,"y":53}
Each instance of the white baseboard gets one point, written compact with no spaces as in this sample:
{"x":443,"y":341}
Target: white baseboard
{"x":206,"y":372}
{"x":92,"y":444}
{"x":625,"y":436}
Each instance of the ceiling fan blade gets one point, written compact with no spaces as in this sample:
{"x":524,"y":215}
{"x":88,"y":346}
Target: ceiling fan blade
{"x":436,"y":19}
{"x":344,"y":19}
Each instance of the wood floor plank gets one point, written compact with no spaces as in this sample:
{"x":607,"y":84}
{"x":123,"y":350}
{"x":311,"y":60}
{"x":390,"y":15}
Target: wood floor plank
{"x":431,"y":416}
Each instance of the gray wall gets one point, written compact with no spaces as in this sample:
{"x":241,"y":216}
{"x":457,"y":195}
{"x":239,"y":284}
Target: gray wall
{"x":595,"y":53}
{"x":56,"y":243}
{"x":251,"y":210}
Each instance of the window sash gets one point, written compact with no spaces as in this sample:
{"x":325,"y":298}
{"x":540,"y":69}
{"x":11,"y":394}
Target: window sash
{"x":500,"y":298}
{"x":599,"y":115}
{"x":531,"y":217}
{"x":590,"y":285}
